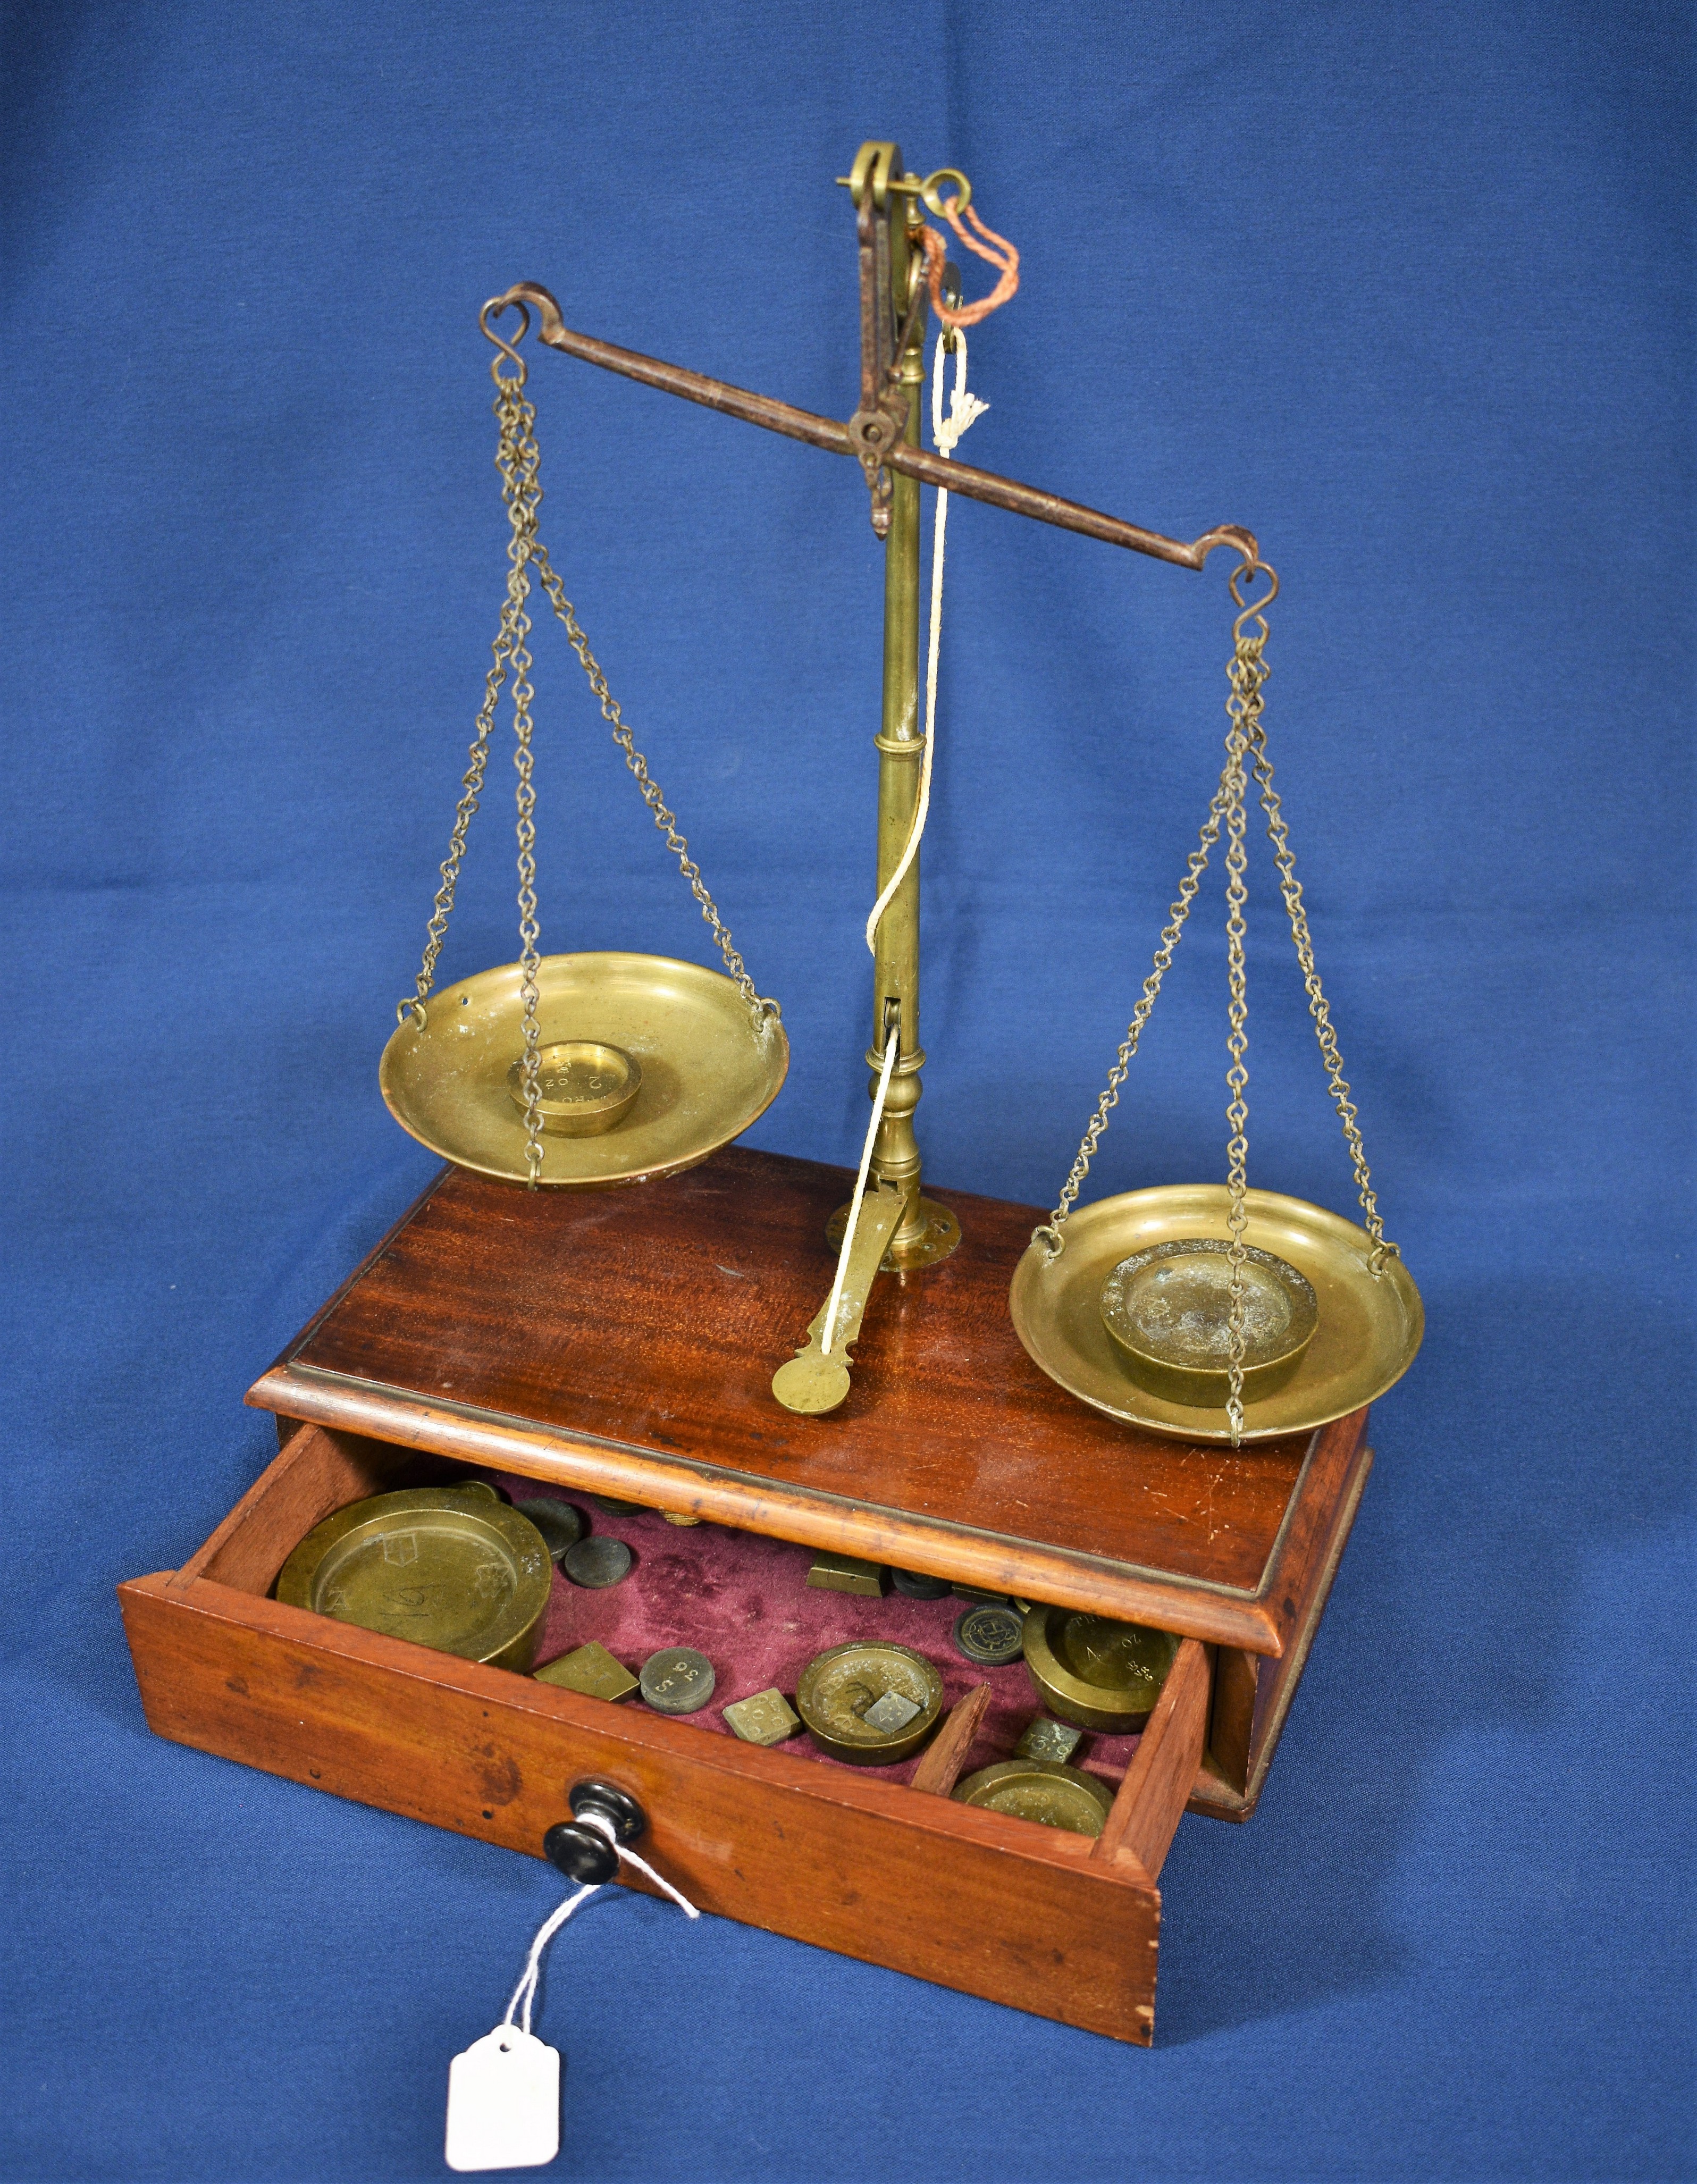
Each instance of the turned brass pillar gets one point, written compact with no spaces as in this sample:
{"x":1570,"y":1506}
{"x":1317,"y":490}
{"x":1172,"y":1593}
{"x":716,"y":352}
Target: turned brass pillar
{"x":927,"y":1231}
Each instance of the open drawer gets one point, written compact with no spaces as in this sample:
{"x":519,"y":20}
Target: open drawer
{"x":525,"y":1335}
{"x":896,"y":1873}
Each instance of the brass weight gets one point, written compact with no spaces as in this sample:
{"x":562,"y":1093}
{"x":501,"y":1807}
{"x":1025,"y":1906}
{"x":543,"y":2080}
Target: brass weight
{"x":1169,"y":1309}
{"x":583,"y":1087}
{"x":1096,"y":1674}
{"x":451,"y":1568}
{"x":841,"y":1687}
{"x":1045,"y":1790}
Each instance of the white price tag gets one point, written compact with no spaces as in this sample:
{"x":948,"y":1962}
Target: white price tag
{"x":503,"y":2103}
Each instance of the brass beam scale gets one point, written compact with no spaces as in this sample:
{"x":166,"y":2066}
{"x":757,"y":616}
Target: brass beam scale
{"x":883,"y":435}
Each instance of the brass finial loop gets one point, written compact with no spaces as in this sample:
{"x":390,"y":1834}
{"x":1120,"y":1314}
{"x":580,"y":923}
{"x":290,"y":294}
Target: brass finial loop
{"x":492,"y":309}
{"x":877,"y":169}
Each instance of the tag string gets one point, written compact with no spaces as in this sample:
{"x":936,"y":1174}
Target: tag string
{"x":524,"y":1994}
{"x":963,"y":410}
{"x":854,"y":1203}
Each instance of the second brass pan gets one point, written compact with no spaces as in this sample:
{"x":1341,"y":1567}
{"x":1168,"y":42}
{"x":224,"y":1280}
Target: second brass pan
{"x":1368,"y":1332}
{"x":709,"y":1068}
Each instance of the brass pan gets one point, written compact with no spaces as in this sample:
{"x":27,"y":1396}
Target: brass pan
{"x":708,"y":1066}
{"x":1368,"y":1332}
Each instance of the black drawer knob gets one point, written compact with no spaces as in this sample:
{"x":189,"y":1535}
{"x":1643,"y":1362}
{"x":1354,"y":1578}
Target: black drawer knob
{"x":584,"y":1854}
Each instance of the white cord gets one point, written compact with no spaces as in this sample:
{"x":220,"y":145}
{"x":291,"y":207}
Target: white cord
{"x":836,"y":1296}
{"x":524,"y":1994}
{"x":964,"y":408}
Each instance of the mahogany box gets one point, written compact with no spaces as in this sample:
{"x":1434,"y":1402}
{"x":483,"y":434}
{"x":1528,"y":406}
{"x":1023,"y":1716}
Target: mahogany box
{"x":622,"y":1343}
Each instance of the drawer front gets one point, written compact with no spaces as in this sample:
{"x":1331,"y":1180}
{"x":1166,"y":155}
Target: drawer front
{"x":995,"y":1907}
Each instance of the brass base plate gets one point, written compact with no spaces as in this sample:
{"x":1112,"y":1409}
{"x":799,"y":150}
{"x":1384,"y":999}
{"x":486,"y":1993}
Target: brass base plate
{"x":709,"y":1067}
{"x":928,"y":1247}
{"x":1368,"y":1333}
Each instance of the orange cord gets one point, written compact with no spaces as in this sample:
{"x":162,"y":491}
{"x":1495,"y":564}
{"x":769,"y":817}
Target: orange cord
{"x":994,"y":248}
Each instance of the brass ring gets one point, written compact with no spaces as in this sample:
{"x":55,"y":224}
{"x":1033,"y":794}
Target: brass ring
{"x":932,"y":197}
{"x":1050,"y":1241}
{"x":495,"y":306}
{"x":416,"y":1006}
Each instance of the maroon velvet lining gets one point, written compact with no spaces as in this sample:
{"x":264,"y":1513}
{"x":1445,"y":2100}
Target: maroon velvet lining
{"x":745,"y":1602}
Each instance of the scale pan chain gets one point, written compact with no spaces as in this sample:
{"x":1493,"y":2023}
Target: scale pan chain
{"x":519,"y":463}
{"x":1245,"y":743}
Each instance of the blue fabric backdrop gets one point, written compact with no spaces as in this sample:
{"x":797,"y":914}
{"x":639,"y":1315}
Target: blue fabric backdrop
{"x":1406,"y":288}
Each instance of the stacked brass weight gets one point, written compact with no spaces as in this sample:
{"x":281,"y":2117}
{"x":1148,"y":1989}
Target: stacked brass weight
{"x":1042,"y":1789}
{"x":449,"y":1567}
{"x":869,"y":1703}
{"x":1097,"y":1675}
{"x":584,"y":1088}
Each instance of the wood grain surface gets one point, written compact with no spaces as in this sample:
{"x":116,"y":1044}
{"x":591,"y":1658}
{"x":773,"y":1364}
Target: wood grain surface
{"x":973,"y":1900}
{"x":319,"y":1470}
{"x":1157,"y":1784}
{"x":315,"y":1474}
{"x":939,"y":1769}
{"x":625,"y":1341}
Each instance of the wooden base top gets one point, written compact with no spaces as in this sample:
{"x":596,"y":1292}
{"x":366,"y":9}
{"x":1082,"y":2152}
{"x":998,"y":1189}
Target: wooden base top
{"x":624,"y":1342}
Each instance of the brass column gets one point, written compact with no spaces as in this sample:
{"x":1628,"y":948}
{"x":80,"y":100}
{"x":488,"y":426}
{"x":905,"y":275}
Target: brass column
{"x":927,"y":1231}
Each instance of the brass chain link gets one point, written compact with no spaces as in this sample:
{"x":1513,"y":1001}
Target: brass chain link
{"x":1291,"y":886}
{"x":553,"y":585}
{"x":515,"y":460}
{"x":1237,"y":1034}
{"x":521,"y":552}
{"x":471,"y":788}
{"x":664,"y":819}
{"x":1048,"y":1235}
